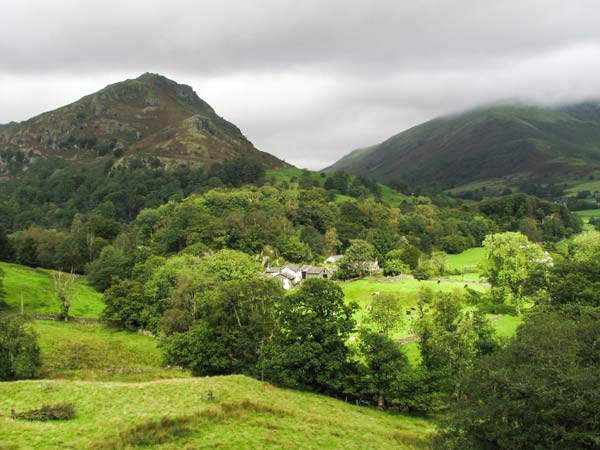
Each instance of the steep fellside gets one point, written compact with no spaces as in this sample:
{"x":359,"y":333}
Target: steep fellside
{"x":501,"y":144}
{"x":150,"y":116}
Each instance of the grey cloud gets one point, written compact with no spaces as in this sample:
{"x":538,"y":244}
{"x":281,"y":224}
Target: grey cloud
{"x":308,"y":81}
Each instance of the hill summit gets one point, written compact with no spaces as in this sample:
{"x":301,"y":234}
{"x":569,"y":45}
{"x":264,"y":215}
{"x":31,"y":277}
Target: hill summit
{"x":499,"y":145}
{"x":150,"y":116}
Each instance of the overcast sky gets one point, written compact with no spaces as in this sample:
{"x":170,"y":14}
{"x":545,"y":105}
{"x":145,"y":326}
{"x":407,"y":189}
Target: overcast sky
{"x":306,"y":80}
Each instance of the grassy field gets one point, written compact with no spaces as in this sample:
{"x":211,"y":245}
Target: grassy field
{"x":587,"y":214}
{"x":233,"y":412}
{"x":361,"y":292}
{"x":97,"y":352}
{"x":91,"y":351}
{"x":287,"y":173}
{"x":467,"y":261}
{"x":589,"y":185}
{"x":507,"y":326}
{"x":34,"y":286}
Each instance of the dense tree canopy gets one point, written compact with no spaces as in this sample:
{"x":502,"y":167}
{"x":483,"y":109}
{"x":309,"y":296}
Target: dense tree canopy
{"x":540,"y":392}
{"x":576,"y":277}
{"x":515,"y":267}
{"x":308,"y":347}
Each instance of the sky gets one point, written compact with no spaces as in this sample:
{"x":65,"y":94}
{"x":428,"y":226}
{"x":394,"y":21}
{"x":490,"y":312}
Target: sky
{"x":305,"y":80}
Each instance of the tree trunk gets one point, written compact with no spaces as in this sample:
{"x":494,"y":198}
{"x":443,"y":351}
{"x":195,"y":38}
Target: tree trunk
{"x":380,"y":402}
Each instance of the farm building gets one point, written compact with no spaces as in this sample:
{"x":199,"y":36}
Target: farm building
{"x":333,"y":259}
{"x":288,"y":275}
{"x":315,"y":272}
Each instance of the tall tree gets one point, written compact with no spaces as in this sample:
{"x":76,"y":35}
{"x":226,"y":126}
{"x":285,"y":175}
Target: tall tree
{"x":383,"y":366}
{"x":451,"y":338}
{"x":308,"y":347}
{"x":236,"y":317}
{"x":386,"y":313}
{"x":576,"y":277}
{"x":515,"y":267}
{"x":357,"y":260}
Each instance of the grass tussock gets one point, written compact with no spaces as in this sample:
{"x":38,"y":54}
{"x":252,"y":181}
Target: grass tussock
{"x":61,"y":411}
{"x":411,"y":440}
{"x":168,"y":429}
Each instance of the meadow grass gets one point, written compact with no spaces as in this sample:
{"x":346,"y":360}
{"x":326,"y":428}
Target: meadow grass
{"x":589,"y":185}
{"x":233,"y":412}
{"x":35,"y":287}
{"x":466,"y":261}
{"x":507,"y":326}
{"x":96,"y":351}
{"x":407,"y":290}
{"x":587,"y":214}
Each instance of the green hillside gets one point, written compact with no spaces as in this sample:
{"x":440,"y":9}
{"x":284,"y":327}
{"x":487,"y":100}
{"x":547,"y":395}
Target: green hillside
{"x":293,"y":175}
{"x":496,"y":147}
{"x":94,"y":351}
{"x":35,"y":289}
{"x":231,"y":412}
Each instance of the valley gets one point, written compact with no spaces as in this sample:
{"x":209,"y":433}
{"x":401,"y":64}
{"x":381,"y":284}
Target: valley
{"x":165,"y":284}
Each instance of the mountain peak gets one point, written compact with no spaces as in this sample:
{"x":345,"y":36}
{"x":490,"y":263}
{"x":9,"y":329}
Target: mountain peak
{"x":149,"y":116}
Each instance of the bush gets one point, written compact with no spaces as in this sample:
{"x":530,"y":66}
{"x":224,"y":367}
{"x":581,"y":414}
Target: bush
{"x":61,"y":411}
{"x":421,"y":274}
{"x":395,"y":267}
{"x":112,"y":262}
{"x":19,"y":350}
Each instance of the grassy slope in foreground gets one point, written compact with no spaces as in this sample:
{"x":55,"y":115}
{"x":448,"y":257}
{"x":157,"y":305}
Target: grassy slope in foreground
{"x":36,"y":288}
{"x":174,"y":414}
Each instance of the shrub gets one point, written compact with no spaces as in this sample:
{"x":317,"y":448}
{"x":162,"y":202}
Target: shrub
{"x":421,"y":274}
{"x":19,"y":350}
{"x":395,"y":267}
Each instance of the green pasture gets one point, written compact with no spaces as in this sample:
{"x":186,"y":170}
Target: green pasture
{"x":95,"y":351}
{"x":35,"y":289}
{"x":407,"y":289}
{"x":389,"y":195}
{"x":507,"y":326}
{"x":467,"y":261}
{"x":587,"y":214}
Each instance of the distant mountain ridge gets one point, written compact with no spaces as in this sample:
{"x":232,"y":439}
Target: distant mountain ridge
{"x":150,"y":116}
{"x":505,"y":144}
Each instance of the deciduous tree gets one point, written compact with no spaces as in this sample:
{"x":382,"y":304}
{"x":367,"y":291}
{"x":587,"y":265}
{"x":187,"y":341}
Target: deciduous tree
{"x":308,"y":348}
{"x":515,"y":267}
